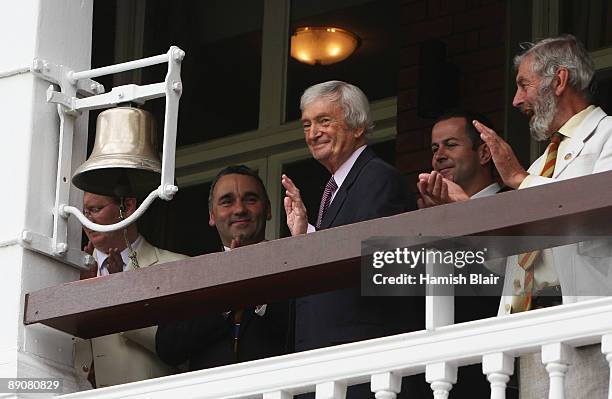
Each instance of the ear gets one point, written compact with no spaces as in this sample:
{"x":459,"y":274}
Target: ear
{"x":130,"y":205}
{"x":561,"y":79}
{"x":359,"y":133}
{"x":484,"y":154}
{"x":269,"y":212}
{"x":211,"y":220}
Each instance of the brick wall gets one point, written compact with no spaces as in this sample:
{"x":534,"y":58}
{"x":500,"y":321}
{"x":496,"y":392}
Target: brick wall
{"x":474,"y":34}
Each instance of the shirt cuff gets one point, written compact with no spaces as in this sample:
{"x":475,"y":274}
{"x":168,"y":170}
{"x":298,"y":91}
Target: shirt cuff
{"x":310,"y":229}
{"x":527,"y":182}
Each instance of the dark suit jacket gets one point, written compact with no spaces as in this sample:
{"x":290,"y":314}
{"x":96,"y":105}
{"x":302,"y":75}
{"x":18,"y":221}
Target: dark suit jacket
{"x":372,"y":189}
{"x":208,"y":341}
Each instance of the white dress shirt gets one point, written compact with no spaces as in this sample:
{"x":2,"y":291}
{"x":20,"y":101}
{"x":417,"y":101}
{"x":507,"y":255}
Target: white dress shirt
{"x":101,"y":257}
{"x":340,"y":177}
{"x":491,"y":189}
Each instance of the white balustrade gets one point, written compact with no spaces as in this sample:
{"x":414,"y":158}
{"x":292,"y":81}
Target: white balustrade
{"x":384,"y":361}
{"x":606,"y":349}
{"x":556,"y":357}
{"x":277,"y":395}
{"x":441,"y":377}
{"x":386,"y":385}
{"x":498,"y":368}
{"x":330,"y":390}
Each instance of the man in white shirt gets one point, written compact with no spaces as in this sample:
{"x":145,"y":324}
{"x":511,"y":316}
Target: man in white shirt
{"x":554,"y":81}
{"x":459,"y":156}
{"x":128,"y":356}
{"x":461,"y":160}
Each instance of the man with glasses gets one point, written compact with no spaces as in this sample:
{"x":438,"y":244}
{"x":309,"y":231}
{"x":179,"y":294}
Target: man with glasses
{"x":114,"y":251}
{"x":128,"y":356}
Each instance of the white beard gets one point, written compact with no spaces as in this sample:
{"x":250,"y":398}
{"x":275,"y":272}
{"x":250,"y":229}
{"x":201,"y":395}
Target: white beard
{"x":544,"y":111}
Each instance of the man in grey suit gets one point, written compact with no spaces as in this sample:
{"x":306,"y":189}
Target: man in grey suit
{"x":459,"y":158}
{"x":554,"y":81}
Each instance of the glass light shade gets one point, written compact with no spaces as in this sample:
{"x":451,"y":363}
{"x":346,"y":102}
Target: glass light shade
{"x":318,"y":45}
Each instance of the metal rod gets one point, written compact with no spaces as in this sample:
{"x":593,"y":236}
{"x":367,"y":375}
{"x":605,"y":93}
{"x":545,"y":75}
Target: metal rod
{"x":18,"y":71}
{"x":125,"y":66}
{"x":105,"y":228}
{"x":121,"y":94}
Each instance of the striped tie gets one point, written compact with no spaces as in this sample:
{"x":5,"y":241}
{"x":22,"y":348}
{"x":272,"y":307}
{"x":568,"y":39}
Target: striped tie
{"x":522,"y":303}
{"x":330,"y":188}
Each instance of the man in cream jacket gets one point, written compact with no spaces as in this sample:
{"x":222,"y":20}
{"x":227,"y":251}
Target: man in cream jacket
{"x":128,"y":356}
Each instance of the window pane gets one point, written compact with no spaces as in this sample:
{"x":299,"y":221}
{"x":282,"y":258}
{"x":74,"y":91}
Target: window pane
{"x":221,"y":71}
{"x":181,"y":225}
{"x":589,"y":21}
{"x":374,"y":64}
{"x":604,"y":90}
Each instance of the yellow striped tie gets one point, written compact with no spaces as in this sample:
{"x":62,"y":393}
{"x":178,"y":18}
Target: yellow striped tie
{"x":522,"y":303}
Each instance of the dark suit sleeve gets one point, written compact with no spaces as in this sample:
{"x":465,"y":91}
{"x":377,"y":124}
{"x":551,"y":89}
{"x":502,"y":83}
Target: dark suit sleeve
{"x":177,"y":342}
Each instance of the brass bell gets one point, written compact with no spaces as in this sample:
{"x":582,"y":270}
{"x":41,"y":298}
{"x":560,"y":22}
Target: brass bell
{"x":124,"y":160}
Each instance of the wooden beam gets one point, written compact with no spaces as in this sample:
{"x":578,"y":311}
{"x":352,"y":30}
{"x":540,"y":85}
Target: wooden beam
{"x":307,"y":264}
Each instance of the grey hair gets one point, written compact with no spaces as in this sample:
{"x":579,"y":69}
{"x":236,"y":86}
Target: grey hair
{"x":561,"y":52}
{"x":354,"y":103}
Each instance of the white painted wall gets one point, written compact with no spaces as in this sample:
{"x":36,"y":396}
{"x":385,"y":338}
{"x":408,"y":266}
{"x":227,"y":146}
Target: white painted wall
{"x":60,"y":31}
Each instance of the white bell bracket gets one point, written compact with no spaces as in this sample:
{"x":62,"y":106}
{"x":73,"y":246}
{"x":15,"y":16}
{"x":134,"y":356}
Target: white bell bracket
{"x":93,"y":96}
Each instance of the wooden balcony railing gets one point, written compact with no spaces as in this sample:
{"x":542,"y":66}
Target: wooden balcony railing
{"x":311,"y":263}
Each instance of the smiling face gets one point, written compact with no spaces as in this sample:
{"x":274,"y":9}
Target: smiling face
{"x":239,"y":209}
{"x":535,"y":98}
{"x":453,"y":153}
{"x":329,"y":139}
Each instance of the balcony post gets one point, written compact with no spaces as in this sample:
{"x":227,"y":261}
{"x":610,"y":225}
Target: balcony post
{"x":498,"y":367}
{"x":330,"y":390}
{"x":606,"y":349}
{"x":556,"y":357}
{"x":386,"y":385}
{"x":441,"y":377}
{"x":277,"y":395}
{"x":60,"y":32}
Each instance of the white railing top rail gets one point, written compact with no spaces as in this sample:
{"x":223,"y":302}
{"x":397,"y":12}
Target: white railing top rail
{"x":577,"y":324}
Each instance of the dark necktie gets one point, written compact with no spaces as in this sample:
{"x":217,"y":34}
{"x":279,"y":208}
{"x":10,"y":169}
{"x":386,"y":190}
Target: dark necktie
{"x":330,"y":188}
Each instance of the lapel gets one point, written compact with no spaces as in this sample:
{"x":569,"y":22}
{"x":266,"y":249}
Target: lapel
{"x":583,"y":133}
{"x":366,"y":155}
{"x":146,"y":255}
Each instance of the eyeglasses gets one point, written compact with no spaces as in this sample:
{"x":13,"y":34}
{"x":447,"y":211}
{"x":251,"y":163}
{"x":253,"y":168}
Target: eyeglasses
{"x":93,"y":211}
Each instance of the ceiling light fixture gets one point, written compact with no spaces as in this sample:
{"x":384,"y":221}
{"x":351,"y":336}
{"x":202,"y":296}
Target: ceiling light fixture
{"x":322,"y":45}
